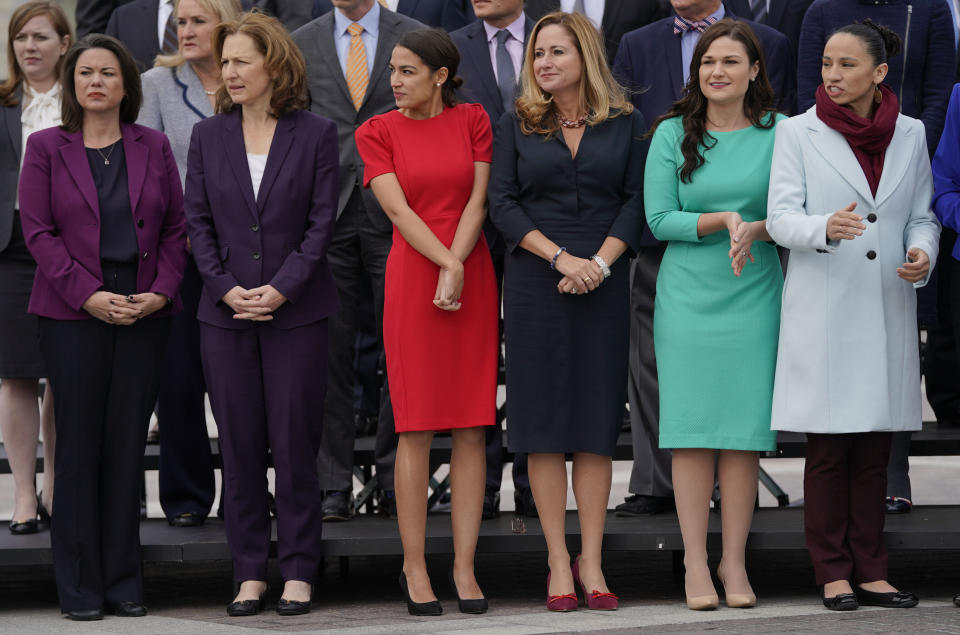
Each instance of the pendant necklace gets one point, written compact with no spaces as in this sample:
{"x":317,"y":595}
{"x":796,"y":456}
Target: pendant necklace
{"x":106,"y":159}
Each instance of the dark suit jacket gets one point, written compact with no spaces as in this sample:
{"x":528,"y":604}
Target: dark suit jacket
{"x":10,"y":144}
{"x":619,"y":17}
{"x":293,"y":13}
{"x":135,"y":24}
{"x":479,"y":81}
{"x":63,"y":231}
{"x":93,"y":15}
{"x":330,"y":97}
{"x":442,"y":13}
{"x":280,"y":237}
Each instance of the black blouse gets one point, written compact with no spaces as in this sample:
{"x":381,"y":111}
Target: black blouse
{"x":118,"y":237}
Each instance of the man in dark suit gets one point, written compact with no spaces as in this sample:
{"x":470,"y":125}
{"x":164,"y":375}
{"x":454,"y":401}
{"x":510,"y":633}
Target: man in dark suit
{"x":490,"y":75}
{"x":138,"y":25}
{"x":614,"y":19}
{"x":363,"y":233}
{"x":654,"y":62}
{"x":93,"y":15}
{"x":447,"y":14}
{"x":785,"y":16}
{"x":293,"y":13}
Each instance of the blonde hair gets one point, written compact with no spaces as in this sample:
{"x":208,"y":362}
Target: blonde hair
{"x":601,"y":97}
{"x":225,"y":10}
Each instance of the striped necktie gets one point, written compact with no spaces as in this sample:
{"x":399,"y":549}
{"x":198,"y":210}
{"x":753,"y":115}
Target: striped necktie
{"x":169,"y":44}
{"x":759,"y":10}
{"x":357,"y":76}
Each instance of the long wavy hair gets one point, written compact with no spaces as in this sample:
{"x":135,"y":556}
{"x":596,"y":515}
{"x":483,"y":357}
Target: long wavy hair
{"x":23,"y":14}
{"x":759,"y":103}
{"x":601,"y":97}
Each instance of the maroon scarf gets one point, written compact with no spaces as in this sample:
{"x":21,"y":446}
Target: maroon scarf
{"x":868,"y":138}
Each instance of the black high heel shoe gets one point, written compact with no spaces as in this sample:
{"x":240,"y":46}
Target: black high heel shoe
{"x":247,"y":608}
{"x":419,"y":609}
{"x":29,"y":526}
{"x":42,"y":514}
{"x":474,"y":607}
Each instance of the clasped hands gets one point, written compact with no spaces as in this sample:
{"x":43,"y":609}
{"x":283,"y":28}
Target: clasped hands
{"x":580,"y":275}
{"x":123,"y":310}
{"x":449,"y":287}
{"x":844,"y":224}
{"x":256,"y":305}
{"x":742,"y":235}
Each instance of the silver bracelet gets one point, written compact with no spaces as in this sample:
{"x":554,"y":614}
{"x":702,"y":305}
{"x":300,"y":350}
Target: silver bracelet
{"x":603,"y":265}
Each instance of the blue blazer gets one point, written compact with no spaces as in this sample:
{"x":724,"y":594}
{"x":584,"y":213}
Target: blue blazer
{"x":280,"y":237}
{"x":479,"y":81}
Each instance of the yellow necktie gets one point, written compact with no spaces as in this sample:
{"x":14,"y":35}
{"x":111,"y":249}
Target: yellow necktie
{"x":383,"y":3}
{"x":357,"y":77}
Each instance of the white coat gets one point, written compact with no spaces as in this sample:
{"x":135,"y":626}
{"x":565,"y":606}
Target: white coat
{"x":848,"y":358}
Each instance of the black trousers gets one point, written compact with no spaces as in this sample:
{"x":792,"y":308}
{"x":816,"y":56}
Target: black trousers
{"x":186,"y":466}
{"x":357,"y":248}
{"x":106,"y":378}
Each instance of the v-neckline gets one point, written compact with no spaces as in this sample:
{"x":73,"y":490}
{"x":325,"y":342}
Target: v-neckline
{"x":573,"y":157}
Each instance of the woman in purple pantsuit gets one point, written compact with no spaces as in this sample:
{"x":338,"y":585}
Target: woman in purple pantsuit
{"x":261,"y":198}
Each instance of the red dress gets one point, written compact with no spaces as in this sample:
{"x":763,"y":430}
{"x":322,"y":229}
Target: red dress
{"x":441,"y":365}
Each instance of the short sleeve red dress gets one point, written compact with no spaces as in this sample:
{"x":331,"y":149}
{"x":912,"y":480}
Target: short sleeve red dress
{"x":441,"y":365}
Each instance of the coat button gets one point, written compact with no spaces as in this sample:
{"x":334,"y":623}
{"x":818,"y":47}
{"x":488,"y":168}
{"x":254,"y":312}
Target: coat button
{"x":140,"y":223}
{"x":254,"y":228}
{"x":871,"y":254}
{"x":256,"y":255}
{"x":145,"y":254}
{"x":872,"y":217}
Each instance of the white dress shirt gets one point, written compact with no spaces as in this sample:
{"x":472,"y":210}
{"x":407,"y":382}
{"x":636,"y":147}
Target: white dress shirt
{"x":392,"y":5}
{"x":257,"y":164}
{"x":164,"y":10}
{"x":592,"y":8}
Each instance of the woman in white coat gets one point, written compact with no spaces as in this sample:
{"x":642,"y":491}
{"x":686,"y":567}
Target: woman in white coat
{"x":850,"y":191}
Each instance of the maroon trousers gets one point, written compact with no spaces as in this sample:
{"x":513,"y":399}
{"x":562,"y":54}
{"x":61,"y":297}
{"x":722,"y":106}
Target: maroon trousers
{"x":844,"y":485}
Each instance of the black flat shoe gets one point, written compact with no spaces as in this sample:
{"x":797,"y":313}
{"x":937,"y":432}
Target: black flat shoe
{"x":23,"y":528}
{"x":293,"y":607}
{"x":419,"y":609}
{"x":87,"y":615}
{"x":42,"y":514}
{"x":841,"y":602}
{"x":473,"y":607}
{"x":186,"y":519}
{"x":127,"y":609}
{"x":248,"y":608}
{"x":891,"y":600}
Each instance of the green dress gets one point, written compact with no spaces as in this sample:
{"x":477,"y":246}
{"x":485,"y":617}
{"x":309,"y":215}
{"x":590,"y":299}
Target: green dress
{"x":715,"y":334}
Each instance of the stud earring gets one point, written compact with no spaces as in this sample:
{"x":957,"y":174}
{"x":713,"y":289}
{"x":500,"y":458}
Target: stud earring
{"x":439,"y":84}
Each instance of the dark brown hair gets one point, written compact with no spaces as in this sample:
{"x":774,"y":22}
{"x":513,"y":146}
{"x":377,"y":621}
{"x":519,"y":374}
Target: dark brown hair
{"x":435,"y":48}
{"x":759,"y":104}
{"x":283,"y":61}
{"x":23,"y":14}
{"x":71,"y":112}
{"x":881,"y":42}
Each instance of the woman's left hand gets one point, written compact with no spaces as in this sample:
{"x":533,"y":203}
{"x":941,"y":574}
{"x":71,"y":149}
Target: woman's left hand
{"x":265,"y":297}
{"x":916,"y":267}
{"x":741,"y":242}
{"x":148,"y":303}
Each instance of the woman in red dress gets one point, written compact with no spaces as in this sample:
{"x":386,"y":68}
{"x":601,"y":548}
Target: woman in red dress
{"x":428,"y":164}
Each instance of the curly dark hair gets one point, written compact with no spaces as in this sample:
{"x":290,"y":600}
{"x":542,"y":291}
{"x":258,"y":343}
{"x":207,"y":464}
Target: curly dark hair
{"x":759,"y":104}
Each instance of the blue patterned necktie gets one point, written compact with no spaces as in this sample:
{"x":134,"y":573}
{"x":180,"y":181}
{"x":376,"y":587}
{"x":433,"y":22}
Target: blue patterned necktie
{"x":506,"y":77}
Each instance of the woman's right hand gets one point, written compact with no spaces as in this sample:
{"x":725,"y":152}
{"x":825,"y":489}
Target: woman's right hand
{"x":112,"y":308}
{"x":844,"y":224}
{"x":243,"y":308}
{"x":449,"y":287}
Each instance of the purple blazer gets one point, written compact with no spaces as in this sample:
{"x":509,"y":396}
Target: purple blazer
{"x":61,"y":219}
{"x":279,"y":237}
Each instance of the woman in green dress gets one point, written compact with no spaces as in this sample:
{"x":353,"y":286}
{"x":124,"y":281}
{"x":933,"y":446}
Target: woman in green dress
{"x":717,"y":311}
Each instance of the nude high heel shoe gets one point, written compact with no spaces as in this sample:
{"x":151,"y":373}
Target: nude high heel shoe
{"x":736,"y":600}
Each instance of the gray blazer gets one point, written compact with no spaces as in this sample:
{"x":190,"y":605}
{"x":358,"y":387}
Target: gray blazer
{"x":173,"y":101}
{"x":10,"y":149}
{"x":330,"y":96}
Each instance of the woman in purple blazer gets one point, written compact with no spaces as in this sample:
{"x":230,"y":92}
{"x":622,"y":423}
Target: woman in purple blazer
{"x":102,"y":212}
{"x":261,"y":199}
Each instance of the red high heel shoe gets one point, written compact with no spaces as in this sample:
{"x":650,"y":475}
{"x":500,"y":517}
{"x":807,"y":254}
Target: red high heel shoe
{"x":561,"y":603}
{"x":596,"y":600}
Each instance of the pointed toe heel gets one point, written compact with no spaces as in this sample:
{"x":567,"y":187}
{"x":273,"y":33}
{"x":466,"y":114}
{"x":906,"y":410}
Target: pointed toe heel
{"x":472,"y":607}
{"x":419,"y":609}
{"x":596,"y":600}
{"x":703,"y":602}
